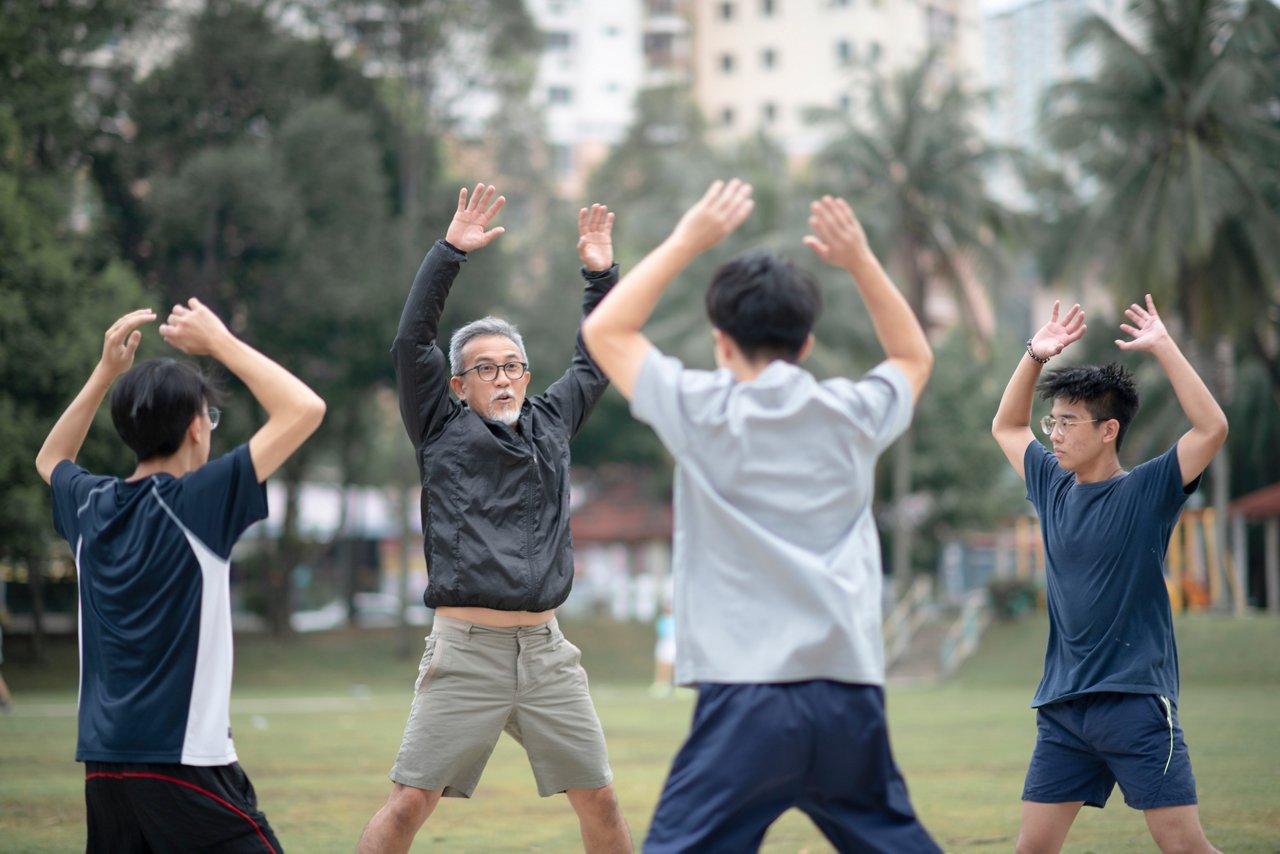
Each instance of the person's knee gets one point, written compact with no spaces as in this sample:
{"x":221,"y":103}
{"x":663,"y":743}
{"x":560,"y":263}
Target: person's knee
{"x":1033,"y":840}
{"x":409,"y":807}
{"x":1177,"y":830}
{"x":598,"y":802}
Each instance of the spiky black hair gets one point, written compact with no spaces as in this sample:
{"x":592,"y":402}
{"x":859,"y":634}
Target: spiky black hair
{"x":1107,"y":392}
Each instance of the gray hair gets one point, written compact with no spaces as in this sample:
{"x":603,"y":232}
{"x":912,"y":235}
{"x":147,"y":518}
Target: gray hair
{"x":477,"y":328}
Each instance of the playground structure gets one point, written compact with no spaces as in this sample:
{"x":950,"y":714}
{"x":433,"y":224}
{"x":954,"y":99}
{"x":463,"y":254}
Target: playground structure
{"x":1201,"y":575}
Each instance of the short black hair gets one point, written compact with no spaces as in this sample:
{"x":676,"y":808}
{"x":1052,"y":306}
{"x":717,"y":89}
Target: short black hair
{"x":766,"y":304}
{"x":153,"y":403}
{"x":1107,"y":392}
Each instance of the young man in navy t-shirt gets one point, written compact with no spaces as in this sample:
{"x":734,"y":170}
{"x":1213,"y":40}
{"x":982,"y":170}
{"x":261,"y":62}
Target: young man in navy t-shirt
{"x":152,"y":553}
{"x":1107,"y":705}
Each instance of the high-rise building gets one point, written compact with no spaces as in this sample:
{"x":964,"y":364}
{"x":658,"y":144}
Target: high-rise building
{"x":1026,"y":52}
{"x":767,"y":65}
{"x":596,"y":59}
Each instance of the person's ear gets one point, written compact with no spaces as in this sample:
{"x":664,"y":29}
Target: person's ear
{"x":724,"y":346}
{"x":1110,"y":430}
{"x":195,"y":430}
{"x":806,"y":349}
{"x":459,"y":386}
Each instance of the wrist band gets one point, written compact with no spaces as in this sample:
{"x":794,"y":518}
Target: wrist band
{"x":1032,"y":354}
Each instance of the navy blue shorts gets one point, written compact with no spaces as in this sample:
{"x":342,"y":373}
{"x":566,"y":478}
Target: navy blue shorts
{"x":755,"y":751}
{"x":136,"y":807}
{"x":1084,"y":746}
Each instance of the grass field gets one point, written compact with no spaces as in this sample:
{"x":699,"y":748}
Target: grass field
{"x":318,"y":720}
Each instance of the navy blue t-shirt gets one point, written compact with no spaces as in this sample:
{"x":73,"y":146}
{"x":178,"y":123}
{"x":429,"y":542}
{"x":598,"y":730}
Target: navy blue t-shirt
{"x":1110,"y":622}
{"x":153,"y":558}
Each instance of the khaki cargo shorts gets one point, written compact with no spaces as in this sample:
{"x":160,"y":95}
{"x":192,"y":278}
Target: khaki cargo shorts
{"x":476,"y":681}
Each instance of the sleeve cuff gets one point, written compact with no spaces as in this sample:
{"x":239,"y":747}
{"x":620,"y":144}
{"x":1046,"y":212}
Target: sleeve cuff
{"x":598,"y":275}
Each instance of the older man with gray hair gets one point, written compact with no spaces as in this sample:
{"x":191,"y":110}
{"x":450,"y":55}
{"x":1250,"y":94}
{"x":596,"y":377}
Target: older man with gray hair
{"x":495,"y":518}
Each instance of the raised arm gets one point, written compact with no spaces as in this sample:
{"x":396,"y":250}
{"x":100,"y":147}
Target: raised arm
{"x":612,"y":332}
{"x":839,"y":240}
{"x":67,"y":436}
{"x":294,"y":411}
{"x":1012,"y":425}
{"x":422,"y":367}
{"x":1208,"y":422}
{"x":575,"y":393}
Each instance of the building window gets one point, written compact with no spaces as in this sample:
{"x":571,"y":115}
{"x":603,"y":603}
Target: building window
{"x":769,"y":58}
{"x":559,"y":40}
{"x":769,"y":111}
{"x":840,"y":4}
{"x":726,"y":11}
{"x":846,"y":103}
{"x":844,"y":52}
{"x":940,"y":26}
{"x":561,"y":160}
{"x":726,"y":63}
{"x":559,"y":95}
{"x":768,"y":7}
{"x":875,"y":52}
{"x":726,"y":117}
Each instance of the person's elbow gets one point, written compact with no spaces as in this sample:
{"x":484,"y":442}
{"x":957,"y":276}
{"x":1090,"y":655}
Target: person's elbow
{"x":918,"y":368}
{"x":1217,"y":428}
{"x":594,"y":333}
{"x":45,"y":464}
{"x":312,"y":412}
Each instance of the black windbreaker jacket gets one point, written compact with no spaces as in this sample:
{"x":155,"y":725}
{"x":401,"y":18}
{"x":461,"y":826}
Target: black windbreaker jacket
{"x":495,"y":501}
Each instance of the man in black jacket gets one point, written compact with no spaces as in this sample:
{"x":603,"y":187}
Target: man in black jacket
{"x":495,"y":516}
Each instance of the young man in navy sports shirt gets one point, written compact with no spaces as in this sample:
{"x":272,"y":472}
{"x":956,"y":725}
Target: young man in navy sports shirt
{"x":1107,"y":705}
{"x":153,"y":556}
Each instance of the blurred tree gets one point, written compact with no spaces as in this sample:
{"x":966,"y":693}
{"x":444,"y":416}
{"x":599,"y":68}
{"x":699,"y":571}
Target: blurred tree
{"x":57,"y":297}
{"x":263,"y":190}
{"x":54,"y":309}
{"x":914,"y":167}
{"x":1175,"y":140}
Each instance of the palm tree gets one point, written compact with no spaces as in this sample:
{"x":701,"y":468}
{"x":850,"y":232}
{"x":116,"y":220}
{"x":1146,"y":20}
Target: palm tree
{"x":1174,"y":139}
{"x":915,"y":167}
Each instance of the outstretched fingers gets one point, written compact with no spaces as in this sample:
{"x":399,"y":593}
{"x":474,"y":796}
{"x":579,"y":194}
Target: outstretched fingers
{"x":597,"y":218}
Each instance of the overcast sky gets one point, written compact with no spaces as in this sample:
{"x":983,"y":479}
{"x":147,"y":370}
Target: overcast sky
{"x":999,"y":5}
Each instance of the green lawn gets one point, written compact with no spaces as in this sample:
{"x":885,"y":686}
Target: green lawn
{"x":318,"y":720}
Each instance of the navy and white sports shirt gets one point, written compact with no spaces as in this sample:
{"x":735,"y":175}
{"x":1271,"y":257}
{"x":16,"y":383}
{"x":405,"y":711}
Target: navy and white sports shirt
{"x":153,"y":558}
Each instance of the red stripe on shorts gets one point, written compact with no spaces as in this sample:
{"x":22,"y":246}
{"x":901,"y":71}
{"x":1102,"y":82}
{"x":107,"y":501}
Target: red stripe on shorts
{"x":194,"y":788}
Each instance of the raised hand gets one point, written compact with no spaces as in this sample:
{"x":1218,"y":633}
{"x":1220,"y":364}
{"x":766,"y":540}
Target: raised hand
{"x":715,"y":216}
{"x":194,"y":328}
{"x":120,"y":342}
{"x":595,"y":238}
{"x":1148,"y":330}
{"x":467,"y":230}
{"x":837,"y":236}
{"x":1054,"y":336}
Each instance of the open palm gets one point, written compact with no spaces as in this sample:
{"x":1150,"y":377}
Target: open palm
{"x":595,"y":237}
{"x":1148,"y":330}
{"x":467,"y":230}
{"x":1054,"y":336}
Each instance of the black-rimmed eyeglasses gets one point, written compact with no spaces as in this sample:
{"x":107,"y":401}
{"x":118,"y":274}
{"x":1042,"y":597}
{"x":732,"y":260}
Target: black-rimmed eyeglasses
{"x":488,"y":371}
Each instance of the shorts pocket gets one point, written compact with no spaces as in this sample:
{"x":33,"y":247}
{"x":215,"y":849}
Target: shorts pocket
{"x":432,"y":657}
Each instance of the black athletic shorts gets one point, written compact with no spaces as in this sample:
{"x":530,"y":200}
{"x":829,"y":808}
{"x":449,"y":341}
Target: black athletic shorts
{"x":136,"y":807}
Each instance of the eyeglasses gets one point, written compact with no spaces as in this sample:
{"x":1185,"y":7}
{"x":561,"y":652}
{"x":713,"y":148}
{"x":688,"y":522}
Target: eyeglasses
{"x":215,"y":415}
{"x":488,"y":371}
{"x":1048,"y":423}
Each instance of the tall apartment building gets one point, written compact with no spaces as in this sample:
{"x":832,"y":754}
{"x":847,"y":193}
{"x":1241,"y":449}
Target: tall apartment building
{"x":1025,"y":52}
{"x":765,"y":65}
{"x":596,"y":59}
